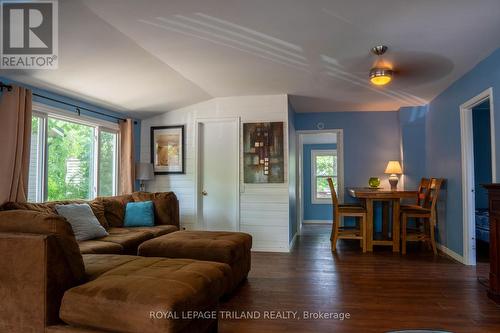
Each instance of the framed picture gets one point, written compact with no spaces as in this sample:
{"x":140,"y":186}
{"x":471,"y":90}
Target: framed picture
{"x":263,"y":153}
{"x":167,"y":149}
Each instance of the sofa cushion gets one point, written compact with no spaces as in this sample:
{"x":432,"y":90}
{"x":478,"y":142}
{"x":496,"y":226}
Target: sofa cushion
{"x":98,"y":264}
{"x":139,"y":214}
{"x":99,"y":247}
{"x":71,"y":329}
{"x":97,"y":208}
{"x":114,"y":208}
{"x":128,"y":238}
{"x":226,"y":247}
{"x":49,"y":208}
{"x":37,"y":207}
{"x":165,"y":205}
{"x":157,"y":230}
{"x":83,"y":221}
{"x":28,"y":221}
{"x":141,"y":286}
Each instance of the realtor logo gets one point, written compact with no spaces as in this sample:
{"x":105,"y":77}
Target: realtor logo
{"x":29,"y":38}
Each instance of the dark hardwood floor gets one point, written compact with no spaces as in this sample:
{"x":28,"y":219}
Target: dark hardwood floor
{"x":381,"y":291}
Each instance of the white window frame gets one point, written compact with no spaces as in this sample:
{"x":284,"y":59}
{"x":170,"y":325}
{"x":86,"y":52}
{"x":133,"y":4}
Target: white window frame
{"x":42,"y":166}
{"x":44,"y":112}
{"x":115,"y":162}
{"x":315,"y":153}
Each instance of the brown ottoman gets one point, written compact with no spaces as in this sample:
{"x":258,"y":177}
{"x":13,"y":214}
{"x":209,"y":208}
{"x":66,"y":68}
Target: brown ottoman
{"x":232,"y":248}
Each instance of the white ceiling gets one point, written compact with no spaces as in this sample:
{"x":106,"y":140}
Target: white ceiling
{"x":148,"y":57}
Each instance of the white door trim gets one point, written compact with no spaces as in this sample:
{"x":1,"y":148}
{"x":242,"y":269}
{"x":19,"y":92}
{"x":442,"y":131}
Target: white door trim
{"x":467,"y":151}
{"x":340,"y":165}
{"x":197,"y":169}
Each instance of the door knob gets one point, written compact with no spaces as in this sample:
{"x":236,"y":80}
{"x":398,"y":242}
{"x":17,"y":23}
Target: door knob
{"x":204,"y":192}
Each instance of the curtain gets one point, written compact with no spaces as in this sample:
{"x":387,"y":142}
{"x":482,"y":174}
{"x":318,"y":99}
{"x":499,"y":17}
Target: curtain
{"x":127,"y":160}
{"x":15,"y":136}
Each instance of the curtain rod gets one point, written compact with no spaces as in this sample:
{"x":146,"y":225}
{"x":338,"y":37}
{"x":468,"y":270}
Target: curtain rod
{"x":5,"y":86}
{"x":78,"y":108}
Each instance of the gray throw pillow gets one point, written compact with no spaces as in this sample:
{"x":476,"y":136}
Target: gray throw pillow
{"x":83,"y":221}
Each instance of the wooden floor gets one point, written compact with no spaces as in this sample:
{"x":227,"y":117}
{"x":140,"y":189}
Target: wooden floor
{"x":381,"y":291}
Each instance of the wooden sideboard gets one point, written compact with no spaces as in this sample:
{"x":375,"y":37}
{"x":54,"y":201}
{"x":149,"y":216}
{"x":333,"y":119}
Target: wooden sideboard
{"x":494,"y":207}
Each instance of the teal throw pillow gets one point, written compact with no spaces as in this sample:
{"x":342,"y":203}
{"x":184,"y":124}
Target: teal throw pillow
{"x":139,"y":214}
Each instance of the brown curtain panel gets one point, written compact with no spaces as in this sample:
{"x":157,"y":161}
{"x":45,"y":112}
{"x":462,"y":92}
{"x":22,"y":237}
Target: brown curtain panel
{"x":127,"y":161}
{"x":15,"y":135}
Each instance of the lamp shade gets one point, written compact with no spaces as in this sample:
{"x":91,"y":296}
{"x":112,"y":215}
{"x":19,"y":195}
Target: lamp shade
{"x":393,"y":167}
{"x":144,"y":171}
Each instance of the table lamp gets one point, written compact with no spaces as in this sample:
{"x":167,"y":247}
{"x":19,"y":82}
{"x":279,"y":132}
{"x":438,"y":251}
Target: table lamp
{"x":393,"y":169}
{"x":144,"y":171}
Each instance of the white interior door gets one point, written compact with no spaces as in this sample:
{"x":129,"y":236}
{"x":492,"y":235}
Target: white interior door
{"x":218,"y":174}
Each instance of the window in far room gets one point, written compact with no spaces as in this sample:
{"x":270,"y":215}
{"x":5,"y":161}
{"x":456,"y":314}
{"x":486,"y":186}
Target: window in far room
{"x":71,"y":157}
{"x":324,"y":165}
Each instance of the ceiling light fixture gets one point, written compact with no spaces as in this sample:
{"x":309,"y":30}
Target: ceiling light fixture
{"x":380,"y":76}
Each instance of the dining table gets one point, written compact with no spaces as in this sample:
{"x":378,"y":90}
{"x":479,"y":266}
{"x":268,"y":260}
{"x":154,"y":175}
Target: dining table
{"x":370,"y":195}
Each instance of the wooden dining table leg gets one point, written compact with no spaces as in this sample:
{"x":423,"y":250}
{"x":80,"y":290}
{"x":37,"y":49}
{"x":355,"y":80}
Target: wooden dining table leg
{"x":396,"y":226}
{"x":369,"y":225}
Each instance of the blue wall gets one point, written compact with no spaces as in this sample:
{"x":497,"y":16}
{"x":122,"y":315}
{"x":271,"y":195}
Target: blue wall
{"x":137,"y":124}
{"x":482,"y":152}
{"x":292,"y":174}
{"x":412,"y":124}
{"x":371,"y":139}
{"x":443,"y":153}
{"x":314,"y":211}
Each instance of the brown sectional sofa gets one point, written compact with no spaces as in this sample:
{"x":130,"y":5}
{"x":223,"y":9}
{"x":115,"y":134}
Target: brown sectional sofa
{"x":232,"y":248}
{"x":54,"y":284}
{"x":110,"y":212}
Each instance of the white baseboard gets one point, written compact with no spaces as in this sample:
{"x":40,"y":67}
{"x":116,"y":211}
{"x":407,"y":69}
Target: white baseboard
{"x":451,"y":253}
{"x":270,"y":249}
{"x":317,"y":222}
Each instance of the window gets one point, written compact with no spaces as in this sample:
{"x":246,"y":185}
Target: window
{"x":324,"y":165}
{"x":108,"y":142}
{"x":36,"y":159}
{"x":71,"y":157}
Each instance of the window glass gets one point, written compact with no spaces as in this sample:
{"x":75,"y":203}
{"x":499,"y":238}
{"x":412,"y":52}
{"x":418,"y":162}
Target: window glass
{"x":107,"y":163}
{"x":322,"y":188}
{"x":324,"y":167}
{"x":70,"y":153}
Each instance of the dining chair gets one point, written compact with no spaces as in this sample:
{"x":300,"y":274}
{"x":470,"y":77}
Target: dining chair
{"x":342,"y":210}
{"x":421,"y":193}
{"x":423,"y":186}
{"x":427,"y":213}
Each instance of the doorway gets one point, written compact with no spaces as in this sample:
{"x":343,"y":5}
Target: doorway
{"x":478,"y":167}
{"x":217,"y":174}
{"x":320,"y":157}
{"x":482,"y":175}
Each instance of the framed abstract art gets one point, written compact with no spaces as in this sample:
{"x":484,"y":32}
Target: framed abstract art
{"x":263,"y":153}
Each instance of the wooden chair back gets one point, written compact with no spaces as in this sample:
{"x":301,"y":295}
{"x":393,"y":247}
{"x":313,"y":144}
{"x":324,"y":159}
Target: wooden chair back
{"x":422,"y":190}
{"x":335,"y":200}
{"x":433,"y":194}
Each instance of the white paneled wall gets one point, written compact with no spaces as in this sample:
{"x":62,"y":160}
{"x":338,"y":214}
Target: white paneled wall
{"x":264,"y":209}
